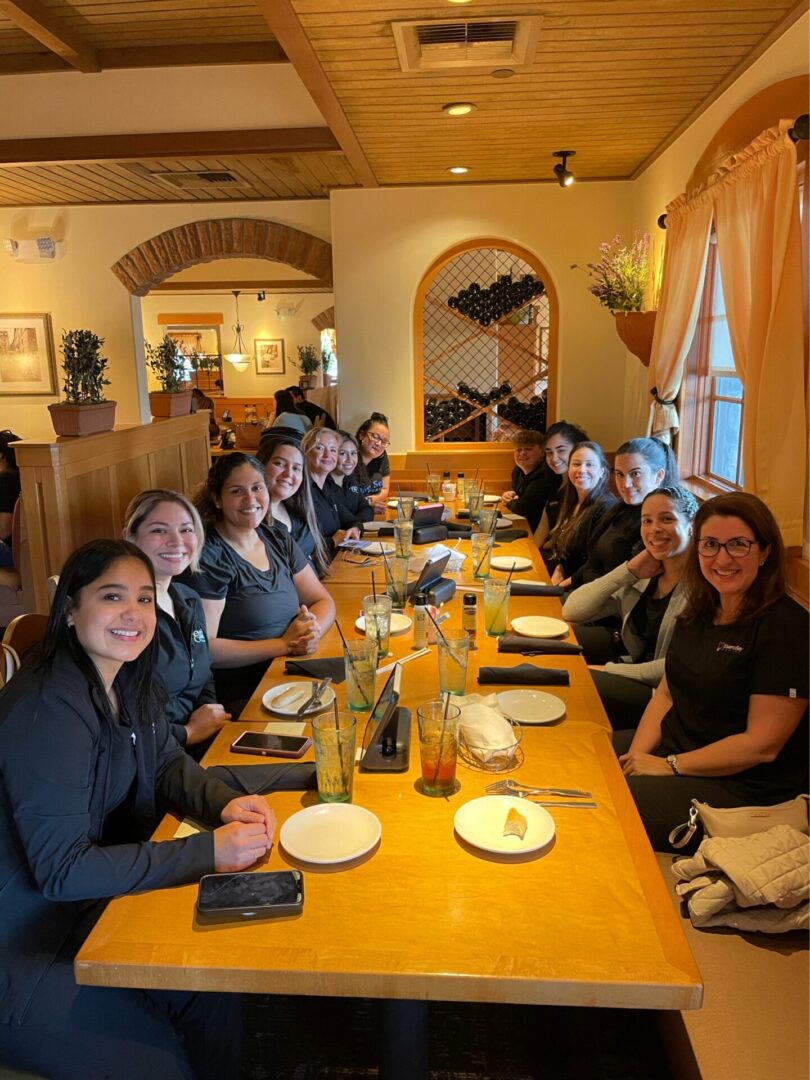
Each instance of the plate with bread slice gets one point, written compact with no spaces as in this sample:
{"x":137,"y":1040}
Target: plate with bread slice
{"x":504,"y":825}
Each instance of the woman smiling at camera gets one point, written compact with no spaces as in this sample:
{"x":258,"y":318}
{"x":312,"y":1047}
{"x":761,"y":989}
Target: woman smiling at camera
{"x":585,"y":500}
{"x":261,"y":597}
{"x":86,"y":754}
{"x":728,"y":723}
{"x":372,"y":477}
{"x":561,"y":438}
{"x":167,"y":528}
{"x":646,"y":594}
{"x":291,"y":499}
{"x":336,"y":520}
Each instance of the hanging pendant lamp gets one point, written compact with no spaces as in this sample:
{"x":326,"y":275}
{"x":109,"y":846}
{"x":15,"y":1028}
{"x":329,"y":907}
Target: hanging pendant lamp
{"x":238,"y":356}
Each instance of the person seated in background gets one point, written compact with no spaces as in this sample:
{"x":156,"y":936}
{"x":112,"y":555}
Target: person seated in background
{"x":646,"y":594}
{"x":347,"y":457}
{"x":86,"y":754}
{"x":641,"y":466}
{"x":585,"y":500}
{"x":291,"y":503}
{"x":166,"y":527}
{"x":317,"y":415}
{"x":531,"y":479}
{"x":260,"y":595}
{"x":372,"y":477}
{"x":728,"y":722}
{"x":336,"y":521}
{"x":9,"y":493}
{"x":561,"y":438}
{"x":287,"y":415}
{"x":200,"y":401}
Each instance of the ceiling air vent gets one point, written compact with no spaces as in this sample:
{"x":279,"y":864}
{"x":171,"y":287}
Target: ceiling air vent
{"x":482,"y":44}
{"x":205,"y":178}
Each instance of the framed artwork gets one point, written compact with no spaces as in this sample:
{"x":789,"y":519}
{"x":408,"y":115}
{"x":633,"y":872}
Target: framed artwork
{"x":27,"y":363}
{"x":269,"y":356}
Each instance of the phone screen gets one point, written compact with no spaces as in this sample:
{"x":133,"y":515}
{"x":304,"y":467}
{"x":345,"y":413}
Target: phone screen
{"x":219,"y":891}
{"x":257,"y":740}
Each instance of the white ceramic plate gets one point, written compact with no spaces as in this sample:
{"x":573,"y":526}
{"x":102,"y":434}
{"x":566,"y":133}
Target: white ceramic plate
{"x":392,"y":504}
{"x":481,"y":821}
{"x":291,"y":707}
{"x":490,"y":500}
{"x":503,"y":523}
{"x":539,"y":626}
{"x":400,"y":624}
{"x":373,"y":526}
{"x":531,"y":706}
{"x":377,"y":547}
{"x":330,"y":833}
{"x":506,"y":562}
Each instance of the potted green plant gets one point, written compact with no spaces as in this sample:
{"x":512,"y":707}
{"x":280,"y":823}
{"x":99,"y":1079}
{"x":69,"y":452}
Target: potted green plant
{"x":168,"y":364}
{"x":85,"y":410}
{"x":309,"y":362}
{"x":326,"y":365}
{"x":620,"y":283}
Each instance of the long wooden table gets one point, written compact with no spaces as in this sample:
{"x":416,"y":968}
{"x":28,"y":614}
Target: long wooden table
{"x":425,"y":917}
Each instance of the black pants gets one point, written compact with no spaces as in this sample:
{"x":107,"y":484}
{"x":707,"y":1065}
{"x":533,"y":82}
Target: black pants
{"x":600,"y":641}
{"x":663,"y":801}
{"x":624,"y":699}
{"x":75,"y":1032}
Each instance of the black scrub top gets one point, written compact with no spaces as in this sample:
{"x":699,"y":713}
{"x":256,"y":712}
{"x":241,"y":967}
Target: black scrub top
{"x":368,"y":479}
{"x":330,"y":509}
{"x":184,"y":662}
{"x":532,"y":492}
{"x":616,"y":542}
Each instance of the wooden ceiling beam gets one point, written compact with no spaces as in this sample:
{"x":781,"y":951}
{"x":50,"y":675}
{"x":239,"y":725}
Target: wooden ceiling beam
{"x":290,"y":34}
{"x":292,"y":286}
{"x":167,"y":144}
{"x":152,"y":56}
{"x":47,"y":28}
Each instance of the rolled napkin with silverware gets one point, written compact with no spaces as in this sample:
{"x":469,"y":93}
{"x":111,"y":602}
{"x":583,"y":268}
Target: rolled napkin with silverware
{"x":534,"y":588}
{"x":535,"y":646}
{"x":524,"y":675}
{"x":318,"y":669}
{"x":262,"y":779}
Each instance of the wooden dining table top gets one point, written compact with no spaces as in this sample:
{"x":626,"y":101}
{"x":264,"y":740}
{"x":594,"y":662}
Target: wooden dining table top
{"x":587,"y":920}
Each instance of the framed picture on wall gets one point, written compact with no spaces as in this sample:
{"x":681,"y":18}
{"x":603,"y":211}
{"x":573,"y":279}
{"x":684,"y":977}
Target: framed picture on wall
{"x":269,"y":356}
{"x":27,"y":363}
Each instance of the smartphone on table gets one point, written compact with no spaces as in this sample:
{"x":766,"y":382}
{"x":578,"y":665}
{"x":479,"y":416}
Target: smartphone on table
{"x":238,"y":897}
{"x":259,"y":742}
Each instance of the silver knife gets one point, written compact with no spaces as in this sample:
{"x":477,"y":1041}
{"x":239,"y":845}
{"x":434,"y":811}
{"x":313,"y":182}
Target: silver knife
{"x":315,"y":697}
{"x":565,"y":805}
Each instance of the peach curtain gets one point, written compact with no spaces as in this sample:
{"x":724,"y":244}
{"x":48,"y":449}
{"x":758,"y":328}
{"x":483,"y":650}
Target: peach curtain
{"x":756,"y":212}
{"x":688,"y":227}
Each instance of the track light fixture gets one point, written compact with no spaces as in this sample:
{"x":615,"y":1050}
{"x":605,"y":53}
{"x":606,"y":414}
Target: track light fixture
{"x":261,"y":295}
{"x":565,"y":178}
{"x":801,"y":128}
{"x":662,"y":221}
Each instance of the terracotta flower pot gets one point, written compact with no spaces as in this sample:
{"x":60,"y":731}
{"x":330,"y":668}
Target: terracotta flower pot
{"x":73,"y":420}
{"x":636,"y":329}
{"x":163,"y":405}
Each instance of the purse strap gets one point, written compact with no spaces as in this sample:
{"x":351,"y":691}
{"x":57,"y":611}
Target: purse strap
{"x":682,"y":834}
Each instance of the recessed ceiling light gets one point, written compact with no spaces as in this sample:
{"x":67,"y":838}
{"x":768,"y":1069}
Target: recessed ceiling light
{"x":458,"y":108}
{"x":502,"y":73}
{"x":458,"y":1}
{"x":458,"y":169}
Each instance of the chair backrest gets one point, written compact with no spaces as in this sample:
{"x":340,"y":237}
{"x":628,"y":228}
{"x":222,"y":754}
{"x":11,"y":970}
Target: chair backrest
{"x":9,"y":665}
{"x":25,"y":631}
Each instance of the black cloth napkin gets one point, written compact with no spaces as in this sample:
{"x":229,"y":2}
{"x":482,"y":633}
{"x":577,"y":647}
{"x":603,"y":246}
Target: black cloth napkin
{"x":534,"y":588}
{"x":533,"y":646}
{"x":262,"y":779}
{"x":524,"y":675}
{"x":318,"y":669}
{"x":506,"y":536}
{"x":384,"y":530}
{"x":455,"y":528}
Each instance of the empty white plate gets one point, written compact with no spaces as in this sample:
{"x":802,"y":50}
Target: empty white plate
{"x":539,"y":626}
{"x":400,"y":624}
{"x":291,"y":705}
{"x":377,"y":547}
{"x":531,"y":706}
{"x":330,"y":833}
{"x":490,"y":500}
{"x":481,"y":821}
{"x":506,"y":562}
{"x":503,"y":523}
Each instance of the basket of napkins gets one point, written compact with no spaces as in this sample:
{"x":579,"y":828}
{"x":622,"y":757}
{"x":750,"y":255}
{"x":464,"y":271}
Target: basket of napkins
{"x":487,"y":740}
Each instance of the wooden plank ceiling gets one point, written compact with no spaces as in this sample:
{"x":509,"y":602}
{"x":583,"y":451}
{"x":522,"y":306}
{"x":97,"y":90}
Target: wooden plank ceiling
{"x":614,"y":80}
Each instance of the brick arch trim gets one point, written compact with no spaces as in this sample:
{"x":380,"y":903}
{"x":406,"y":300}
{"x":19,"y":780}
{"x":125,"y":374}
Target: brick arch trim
{"x":154,"y":260}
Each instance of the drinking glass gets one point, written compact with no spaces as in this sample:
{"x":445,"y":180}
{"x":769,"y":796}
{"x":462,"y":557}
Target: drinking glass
{"x":334,"y":739}
{"x":487,"y":516}
{"x":360,"y":659}
{"x":454,"y":651}
{"x":434,"y":486}
{"x":396,"y":580}
{"x":405,"y":506}
{"x":496,"y":606}
{"x":377,"y":616}
{"x":481,"y":543}
{"x":438,"y":746}
{"x":475,"y":500}
{"x":403,"y":538}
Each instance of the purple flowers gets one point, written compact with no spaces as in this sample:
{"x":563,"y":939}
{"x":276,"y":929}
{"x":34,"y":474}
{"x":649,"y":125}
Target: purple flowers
{"x":620,"y":276}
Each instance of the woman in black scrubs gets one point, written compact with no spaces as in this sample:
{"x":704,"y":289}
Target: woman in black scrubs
{"x":372,"y":477}
{"x":585,"y":500}
{"x":347,"y":457}
{"x":260,"y":596}
{"x":291,"y":498}
{"x":85,"y":755}
{"x":728,"y":722}
{"x":167,"y":528}
{"x":336,"y":520}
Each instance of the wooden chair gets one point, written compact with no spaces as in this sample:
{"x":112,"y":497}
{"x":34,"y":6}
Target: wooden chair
{"x":25,"y":631}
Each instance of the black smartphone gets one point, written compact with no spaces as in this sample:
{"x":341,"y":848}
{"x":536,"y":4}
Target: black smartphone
{"x":258,"y":742}
{"x":237,"y":897}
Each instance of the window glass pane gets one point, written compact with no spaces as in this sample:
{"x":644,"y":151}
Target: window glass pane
{"x":725,"y":440}
{"x":728,"y":388}
{"x":721,"y":357}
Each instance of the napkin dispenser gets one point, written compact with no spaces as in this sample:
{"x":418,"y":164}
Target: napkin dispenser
{"x":442,"y":590}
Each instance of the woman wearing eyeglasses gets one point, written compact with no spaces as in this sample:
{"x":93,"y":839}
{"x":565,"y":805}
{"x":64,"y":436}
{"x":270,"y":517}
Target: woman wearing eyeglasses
{"x":728,"y":722}
{"x":372,"y":477}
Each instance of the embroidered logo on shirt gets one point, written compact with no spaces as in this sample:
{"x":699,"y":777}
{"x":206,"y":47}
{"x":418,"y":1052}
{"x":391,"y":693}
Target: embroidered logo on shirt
{"x":724,"y":646}
{"x":198,"y":637}
{"x":133,"y":737}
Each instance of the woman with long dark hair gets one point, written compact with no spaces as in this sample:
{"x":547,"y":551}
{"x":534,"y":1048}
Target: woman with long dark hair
{"x":86,"y":754}
{"x":291,"y":498}
{"x":585,"y":500}
{"x":560,"y":440}
{"x":288,"y":415}
{"x":728,"y":722}
{"x":348,"y":454}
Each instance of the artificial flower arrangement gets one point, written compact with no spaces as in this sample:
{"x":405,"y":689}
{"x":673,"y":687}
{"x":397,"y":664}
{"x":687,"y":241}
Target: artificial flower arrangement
{"x":621,"y":275}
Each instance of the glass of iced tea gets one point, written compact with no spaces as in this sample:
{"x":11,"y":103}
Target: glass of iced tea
{"x":438,"y":746}
{"x":496,"y":606}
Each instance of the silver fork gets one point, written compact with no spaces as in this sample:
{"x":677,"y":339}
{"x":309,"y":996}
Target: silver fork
{"x":502,"y":787}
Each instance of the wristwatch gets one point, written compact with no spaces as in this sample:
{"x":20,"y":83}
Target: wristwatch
{"x":672,"y":761}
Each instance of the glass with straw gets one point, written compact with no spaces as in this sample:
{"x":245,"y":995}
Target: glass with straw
{"x":334,"y":739}
{"x":438,"y":745}
{"x":377,"y":619}
{"x":481,"y":544}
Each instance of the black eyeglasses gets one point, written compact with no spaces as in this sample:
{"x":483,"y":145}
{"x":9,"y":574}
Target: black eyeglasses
{"x":739,"y":547}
